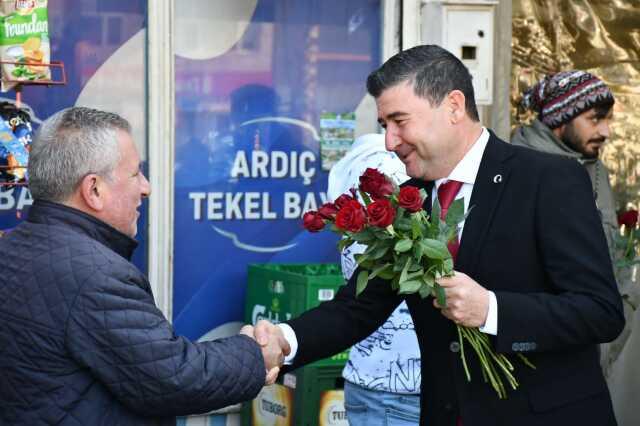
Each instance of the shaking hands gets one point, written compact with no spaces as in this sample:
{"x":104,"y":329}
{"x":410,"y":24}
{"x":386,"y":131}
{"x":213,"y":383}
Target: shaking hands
{"x":274,"y":346}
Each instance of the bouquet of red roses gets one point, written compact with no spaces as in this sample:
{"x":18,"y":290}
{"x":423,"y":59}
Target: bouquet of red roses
{"x":629,"y":239}
{"x":409,"y":249}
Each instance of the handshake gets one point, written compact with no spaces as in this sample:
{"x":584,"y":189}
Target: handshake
{"x":274,"y":346}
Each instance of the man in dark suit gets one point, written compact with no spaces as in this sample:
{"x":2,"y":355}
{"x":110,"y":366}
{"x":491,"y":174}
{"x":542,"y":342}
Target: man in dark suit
{"x":532,"y":269}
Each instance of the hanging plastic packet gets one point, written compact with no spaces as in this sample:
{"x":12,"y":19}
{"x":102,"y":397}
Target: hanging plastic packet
{"x":24,"y":41}
{"x":19,"y":121}
{"x":13,"y":155}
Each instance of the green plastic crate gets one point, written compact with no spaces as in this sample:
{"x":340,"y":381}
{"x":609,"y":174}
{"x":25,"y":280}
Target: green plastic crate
{"x":278,"y":292}
{"x":309,"y":396}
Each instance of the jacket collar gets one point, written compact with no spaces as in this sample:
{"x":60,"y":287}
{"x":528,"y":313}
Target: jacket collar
{"x":49,"y":213}
{"x":491,"y":180}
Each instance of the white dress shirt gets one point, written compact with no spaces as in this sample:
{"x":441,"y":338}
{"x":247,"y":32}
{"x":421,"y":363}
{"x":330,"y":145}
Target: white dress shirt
{"x":465,"y":171}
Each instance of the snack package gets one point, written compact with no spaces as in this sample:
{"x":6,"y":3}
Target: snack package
{"x":19,"y":121}
{"x":24,"y":39}
{"x":13,"y":155}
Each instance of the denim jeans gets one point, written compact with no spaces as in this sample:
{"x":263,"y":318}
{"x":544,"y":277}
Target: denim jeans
{"x":367,"y":407}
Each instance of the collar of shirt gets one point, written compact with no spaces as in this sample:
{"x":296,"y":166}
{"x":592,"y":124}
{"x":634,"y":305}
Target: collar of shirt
{"x":467,"y":169}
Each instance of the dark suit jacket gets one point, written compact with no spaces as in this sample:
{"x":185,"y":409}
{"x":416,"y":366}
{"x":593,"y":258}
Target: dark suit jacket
{"x":534,"y":238}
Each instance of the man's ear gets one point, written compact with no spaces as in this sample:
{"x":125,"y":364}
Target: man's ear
{"x":457,"y":103}
{"x":92,"y":191}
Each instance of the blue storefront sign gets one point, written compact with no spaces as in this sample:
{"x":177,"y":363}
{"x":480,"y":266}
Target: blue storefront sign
{"x":248,"y":143}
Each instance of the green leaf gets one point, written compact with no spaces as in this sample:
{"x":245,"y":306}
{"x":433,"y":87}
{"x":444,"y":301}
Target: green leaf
{"x":409,"y":287}
{"x":405,"y":270}
{"x":367,"y":264}
{"x":425,"y":291}
{"x":344,"y":243}
{"x":361,"y":283}
{"x":455,"y":214}
{"x":387,"y":273}
{"x":416,"y":227}
{"x":442,"y":298}
{"x":379,"y":251}
{"x":403,"y":245}
{"x":428,"y":279}
{"x":395,"y":284}
{"x":435,"y":211}
{"x":414,"y":266}
{"x":417,"y":252}
{"x":435,"y":249}
{"x":416,"y":274}
{"x":381,"y":233}
{"x":402,"y":224}
{"x":400,"y":261}
{"x":360,"y":258}
{"x":377,"y":271}
{"x":364,"y":237}
{"x":448,"y":266}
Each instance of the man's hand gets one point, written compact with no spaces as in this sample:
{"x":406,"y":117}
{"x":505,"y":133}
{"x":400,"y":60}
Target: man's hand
{"x":274,"y":346}
{"x":467,"y":301}
{"x":271,"y":373}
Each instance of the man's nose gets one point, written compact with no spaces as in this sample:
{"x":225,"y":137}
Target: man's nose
{"x":390,"y":140}
{"x":603,"y":129}
{"x":145,"y":186}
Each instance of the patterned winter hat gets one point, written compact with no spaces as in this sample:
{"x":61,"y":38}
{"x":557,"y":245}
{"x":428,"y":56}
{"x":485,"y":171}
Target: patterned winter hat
{"x":560,"y":97}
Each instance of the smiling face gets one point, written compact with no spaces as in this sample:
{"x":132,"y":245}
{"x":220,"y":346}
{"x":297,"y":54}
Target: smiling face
{"x":125,"y":189}
{"x":418,"y":132}
{"x":587,"y":133}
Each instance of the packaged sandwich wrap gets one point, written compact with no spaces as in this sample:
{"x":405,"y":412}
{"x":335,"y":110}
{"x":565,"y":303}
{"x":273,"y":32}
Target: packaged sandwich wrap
{"x":24,"y":41}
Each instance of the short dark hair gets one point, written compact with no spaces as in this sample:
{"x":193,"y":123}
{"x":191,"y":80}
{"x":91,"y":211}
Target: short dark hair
{"x":433,"y":71}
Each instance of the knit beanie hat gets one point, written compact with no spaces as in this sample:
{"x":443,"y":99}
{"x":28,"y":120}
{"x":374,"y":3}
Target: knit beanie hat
{"x":560,"y":97}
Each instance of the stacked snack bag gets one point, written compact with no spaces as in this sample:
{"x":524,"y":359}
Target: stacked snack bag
{"x":15,"y":141}
{"x":24,"y":41}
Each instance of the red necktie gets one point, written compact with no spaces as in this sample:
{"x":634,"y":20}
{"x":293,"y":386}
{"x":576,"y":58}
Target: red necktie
{"x":446,"y":194}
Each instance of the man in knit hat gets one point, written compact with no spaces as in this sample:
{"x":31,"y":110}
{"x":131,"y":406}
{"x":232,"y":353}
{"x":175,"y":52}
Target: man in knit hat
{"x":574,"y":111}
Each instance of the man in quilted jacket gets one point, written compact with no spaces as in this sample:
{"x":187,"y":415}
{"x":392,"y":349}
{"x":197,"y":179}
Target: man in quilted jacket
{"x":81,"y":340}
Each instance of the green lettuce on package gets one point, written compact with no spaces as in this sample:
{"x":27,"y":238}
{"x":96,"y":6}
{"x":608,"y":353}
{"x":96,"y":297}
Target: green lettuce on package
{"x":24,"y":40}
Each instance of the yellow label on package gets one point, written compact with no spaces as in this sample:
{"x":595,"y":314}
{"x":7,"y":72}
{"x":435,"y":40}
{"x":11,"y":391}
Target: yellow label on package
{"x":332,"y":411}
{"x":273,"y":407}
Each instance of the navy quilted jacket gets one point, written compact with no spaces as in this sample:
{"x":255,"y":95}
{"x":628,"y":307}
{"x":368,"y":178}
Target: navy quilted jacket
{"x":82,"y":342}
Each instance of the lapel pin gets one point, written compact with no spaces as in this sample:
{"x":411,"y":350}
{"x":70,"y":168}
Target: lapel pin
{"x":497,"y":179}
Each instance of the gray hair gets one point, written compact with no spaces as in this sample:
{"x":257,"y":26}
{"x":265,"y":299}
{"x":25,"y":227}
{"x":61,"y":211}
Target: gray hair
{"x":69,"y":145}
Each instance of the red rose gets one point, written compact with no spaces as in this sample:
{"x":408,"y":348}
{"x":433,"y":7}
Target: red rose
{"x":381,"y":213}
{"x":328,"y":211}
{"x":312,"y":221}
{"x":342,"y":201}
{"x":351,"y":217}
{"x":629,"y":218}
{"x":375,"y":184}
{"x":410,"y":198}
